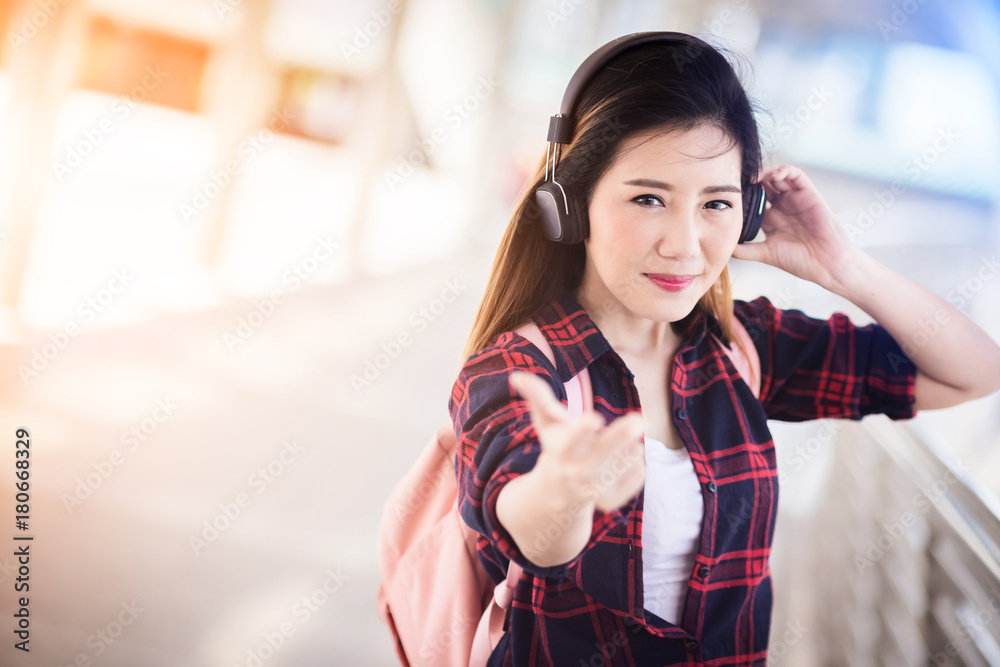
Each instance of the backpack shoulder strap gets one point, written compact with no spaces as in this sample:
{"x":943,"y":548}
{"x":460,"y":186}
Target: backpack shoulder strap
{"x":749,"y":365}
{"x":579,"y":393}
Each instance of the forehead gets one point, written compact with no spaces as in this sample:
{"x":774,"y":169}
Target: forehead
{"x":701,"y":148}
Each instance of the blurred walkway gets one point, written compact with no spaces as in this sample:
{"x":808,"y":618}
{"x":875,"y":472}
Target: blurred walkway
{"x":128,"y":535}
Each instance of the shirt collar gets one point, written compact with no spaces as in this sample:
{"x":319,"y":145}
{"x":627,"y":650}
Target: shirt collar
{"x":577,"y":342}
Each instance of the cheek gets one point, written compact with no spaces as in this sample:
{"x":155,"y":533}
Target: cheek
{"x":718,"y":252}
{"x":615,"y":255}
{"x":722,"y":237}
{"x":616,"y":236}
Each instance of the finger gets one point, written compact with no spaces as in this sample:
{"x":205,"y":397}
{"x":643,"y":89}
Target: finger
{"x":585,"y":430}
{"x":592,"y":421}
{"x":786,"y":178}
{"x":544,"y":406}
{"x":797,"y":179}
{"x":628,"y":484}
{"x":781,"y":172}
{"x":623,"y":432}
{"x":779,"y":182}
{"x":752,"y":252}
{"x":773,"y":194}
{"x":766,"y":172}
{"x":627,"y":464}
{"x":633,"y":482}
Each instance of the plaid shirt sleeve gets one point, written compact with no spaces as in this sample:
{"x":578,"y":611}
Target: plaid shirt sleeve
{"x":813,"y":368}
{"x":497,"y":443}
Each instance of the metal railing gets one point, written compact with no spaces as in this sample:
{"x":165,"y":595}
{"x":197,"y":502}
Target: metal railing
{"x":909,"y":556}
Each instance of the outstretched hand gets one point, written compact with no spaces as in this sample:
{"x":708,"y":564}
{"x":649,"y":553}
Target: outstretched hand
{"x":803,"y":238}
{"x":581,"y":457}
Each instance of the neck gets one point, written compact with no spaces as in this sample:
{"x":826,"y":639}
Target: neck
{"x":628,"y":333}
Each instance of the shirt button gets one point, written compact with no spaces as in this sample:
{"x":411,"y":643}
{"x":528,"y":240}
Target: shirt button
{"x":682,"y":413}
{"x":712,"y":487}
{"x":691,"y":645}
{"x":703,"y":571}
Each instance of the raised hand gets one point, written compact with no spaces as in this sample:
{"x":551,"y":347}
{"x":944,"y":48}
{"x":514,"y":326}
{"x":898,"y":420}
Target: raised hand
{"x":582,"y":460}
{"x":803,"y":238}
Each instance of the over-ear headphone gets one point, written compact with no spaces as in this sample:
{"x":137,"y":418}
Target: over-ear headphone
{"x":564,"y":216}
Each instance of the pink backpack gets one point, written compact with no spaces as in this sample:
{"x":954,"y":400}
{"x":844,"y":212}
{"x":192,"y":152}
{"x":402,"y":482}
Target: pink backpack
{"x":440,"y":605}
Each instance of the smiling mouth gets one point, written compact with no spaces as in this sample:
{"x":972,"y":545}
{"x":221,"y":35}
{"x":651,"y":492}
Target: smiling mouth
{"x":670,"y":282}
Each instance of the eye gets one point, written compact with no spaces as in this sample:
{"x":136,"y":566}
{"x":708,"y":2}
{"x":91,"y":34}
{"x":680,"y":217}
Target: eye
{"x":648,"y":200}
{"x":719,"y":204}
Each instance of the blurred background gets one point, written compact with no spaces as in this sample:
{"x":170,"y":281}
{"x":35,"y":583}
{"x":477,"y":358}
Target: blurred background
{"x":242,"y":243}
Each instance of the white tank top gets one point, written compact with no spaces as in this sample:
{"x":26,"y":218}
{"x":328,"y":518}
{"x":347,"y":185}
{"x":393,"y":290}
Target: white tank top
{"x":672,"y":512}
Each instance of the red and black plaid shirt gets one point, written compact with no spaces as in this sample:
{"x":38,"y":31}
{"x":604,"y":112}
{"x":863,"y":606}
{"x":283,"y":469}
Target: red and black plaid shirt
{"x":590,"y":611}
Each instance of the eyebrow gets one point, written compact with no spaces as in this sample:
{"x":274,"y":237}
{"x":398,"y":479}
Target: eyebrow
{"x":711,"y":189}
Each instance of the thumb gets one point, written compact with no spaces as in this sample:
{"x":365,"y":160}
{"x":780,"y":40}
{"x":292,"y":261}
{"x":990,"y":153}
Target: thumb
{"x":545,"y":407}
{"x":754,"y":252}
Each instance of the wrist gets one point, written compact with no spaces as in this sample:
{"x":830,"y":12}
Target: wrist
{"x":852,"y":274}
{"x":558,"y":486}
{"x":548,"y":527}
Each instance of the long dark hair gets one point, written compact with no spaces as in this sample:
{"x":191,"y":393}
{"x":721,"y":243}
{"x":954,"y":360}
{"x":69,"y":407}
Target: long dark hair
{"x":663,"y":85}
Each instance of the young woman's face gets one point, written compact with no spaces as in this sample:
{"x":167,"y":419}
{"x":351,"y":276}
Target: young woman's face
{"x":664,"y":219}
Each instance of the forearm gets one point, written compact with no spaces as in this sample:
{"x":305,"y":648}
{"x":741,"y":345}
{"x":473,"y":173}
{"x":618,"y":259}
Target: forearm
{"x":548,"y":527}
{"x":942,"y":342}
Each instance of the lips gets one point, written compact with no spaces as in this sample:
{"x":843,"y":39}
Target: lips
{"x":670,"y":281}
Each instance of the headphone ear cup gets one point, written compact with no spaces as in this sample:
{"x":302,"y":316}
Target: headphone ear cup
{"x":754,"y":200}
{"x":561,"y":218}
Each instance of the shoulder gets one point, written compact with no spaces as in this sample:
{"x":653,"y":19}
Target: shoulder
{"x":761,"y":313}
{"x":508,"y":350}
{"x":486,"y":373}
{"x":565,"y":326}
{"x":760,"y":308}
{"x":757,"y":316}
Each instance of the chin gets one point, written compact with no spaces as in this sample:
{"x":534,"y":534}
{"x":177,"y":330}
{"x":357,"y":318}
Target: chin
{"x":660,"y":312}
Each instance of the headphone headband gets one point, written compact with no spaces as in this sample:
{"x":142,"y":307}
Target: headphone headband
{"x":561,"y":126}
{"x":564,"y":216}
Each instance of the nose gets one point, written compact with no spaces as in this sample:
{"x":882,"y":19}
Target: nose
{"x":681,"y":236}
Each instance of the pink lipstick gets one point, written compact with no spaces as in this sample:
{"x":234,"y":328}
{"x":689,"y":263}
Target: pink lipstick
{"x":669,"y":282}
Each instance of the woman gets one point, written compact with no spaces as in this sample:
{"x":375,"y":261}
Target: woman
{"x":644,"y":526}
